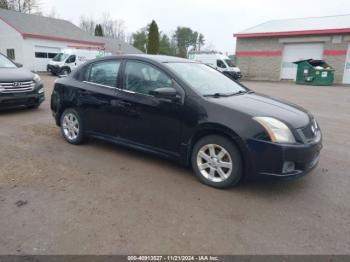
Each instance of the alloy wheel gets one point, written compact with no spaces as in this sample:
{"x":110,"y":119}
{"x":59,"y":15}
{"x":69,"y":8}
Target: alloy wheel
{"x":70,"y":125}
{"x":214,"y":163}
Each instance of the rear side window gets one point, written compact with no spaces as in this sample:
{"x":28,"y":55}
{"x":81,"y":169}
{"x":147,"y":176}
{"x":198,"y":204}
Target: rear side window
{"x":143,"y":78}
{"x":103,"y":73}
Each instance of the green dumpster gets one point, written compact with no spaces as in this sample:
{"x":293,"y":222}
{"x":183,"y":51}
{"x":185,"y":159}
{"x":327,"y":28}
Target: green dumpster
{"x":314,"y":72}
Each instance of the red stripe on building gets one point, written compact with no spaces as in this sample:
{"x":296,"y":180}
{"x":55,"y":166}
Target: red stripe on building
{"x":295,"y":33}
{"x":260,"y":53}
{"x":85,"y":47}
{"x":334,"y":52}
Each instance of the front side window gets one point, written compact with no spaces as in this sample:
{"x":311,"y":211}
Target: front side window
{"x":71,"y":59}
{"x":143,"y":78}
{"x":205,"y":80}
{"x":229,"y":63}
{"x":220,"y":64}
{"x":6,"y":63}
{"x":103,"y":73}
{"x":60,"y":57}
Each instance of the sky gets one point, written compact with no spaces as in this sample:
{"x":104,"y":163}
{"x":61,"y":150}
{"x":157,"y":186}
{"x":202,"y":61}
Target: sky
{"x":217,"y":20}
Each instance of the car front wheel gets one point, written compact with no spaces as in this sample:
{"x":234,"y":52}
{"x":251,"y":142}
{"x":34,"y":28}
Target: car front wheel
{"x":71,"y":126}
{"x":217,"y":162}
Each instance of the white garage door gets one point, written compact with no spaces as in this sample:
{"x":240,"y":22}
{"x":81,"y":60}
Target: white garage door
{"x":297,"y":52}
{"x":346,"y":77}
{"x":42,"y":56}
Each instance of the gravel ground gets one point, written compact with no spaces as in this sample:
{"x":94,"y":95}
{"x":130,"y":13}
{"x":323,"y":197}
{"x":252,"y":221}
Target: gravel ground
{"x":99,"y":198}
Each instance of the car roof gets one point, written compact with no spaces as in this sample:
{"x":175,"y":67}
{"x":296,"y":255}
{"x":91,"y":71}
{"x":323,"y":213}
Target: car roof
{"x":155,"y":58}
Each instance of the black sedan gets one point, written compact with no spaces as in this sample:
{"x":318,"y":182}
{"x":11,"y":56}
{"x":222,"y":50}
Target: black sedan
{"x":188,"y":112}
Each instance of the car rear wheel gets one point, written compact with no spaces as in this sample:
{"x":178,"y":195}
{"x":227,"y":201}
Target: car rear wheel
{"x":72,"y":126}
{"x":217,"y":162}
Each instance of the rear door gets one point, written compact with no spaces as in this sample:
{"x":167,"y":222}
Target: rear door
{"x":96,"y":96}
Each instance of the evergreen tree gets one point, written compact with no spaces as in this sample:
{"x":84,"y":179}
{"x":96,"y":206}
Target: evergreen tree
{"x":165,"y":47}
{"x":139,"y":39}
{"x":98,"y":30}
{"x":153,"y":39}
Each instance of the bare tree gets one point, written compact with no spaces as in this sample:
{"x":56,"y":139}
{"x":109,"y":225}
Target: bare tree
{"x":113,"y":28}
{"x":24,"y":6}
{"x":88,"y":24}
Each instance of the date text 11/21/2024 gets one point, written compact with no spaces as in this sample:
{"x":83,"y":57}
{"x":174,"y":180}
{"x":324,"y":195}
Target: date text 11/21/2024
{"x":173,"y":258}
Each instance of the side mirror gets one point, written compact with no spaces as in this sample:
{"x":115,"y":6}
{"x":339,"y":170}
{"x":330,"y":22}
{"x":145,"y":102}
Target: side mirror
{"x":19,"y":65}
{"x":164,"y":92}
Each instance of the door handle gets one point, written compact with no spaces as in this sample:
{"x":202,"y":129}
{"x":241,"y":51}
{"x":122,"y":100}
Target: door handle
{"x":119,"y":103}
{"x":85,"y":92}
{"x":124,"y":103}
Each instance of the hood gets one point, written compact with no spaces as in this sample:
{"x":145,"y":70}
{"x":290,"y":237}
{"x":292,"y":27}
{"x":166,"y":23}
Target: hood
{"x":15,"y":74}
{"x":51,"y":62}
{"x":234,"y":69}
{"x":262,"y":105}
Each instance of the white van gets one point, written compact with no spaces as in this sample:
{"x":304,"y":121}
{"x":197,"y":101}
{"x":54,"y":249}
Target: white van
{"x":68,"y":59}
{"x":217,"y":61}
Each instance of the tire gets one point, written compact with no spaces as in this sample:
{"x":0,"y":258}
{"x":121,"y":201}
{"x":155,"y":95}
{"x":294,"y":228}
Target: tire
{"x":65,"y":71}
{"x":72,"y":126}
{"x":216,"y":170}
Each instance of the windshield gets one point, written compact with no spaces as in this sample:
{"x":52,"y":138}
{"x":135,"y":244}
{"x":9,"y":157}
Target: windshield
{"x":206,"y":80}
{"x":6,"y":63}
{"x":230,"y":63}
{"x":60,"y":57}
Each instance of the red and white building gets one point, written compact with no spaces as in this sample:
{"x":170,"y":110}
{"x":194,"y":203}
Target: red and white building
{"x":267,"y":51}
{"x":33,"y":40}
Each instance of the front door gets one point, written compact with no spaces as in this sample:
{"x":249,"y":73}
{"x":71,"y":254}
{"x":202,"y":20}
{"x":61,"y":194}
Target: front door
{"x":146,"y":119}
{"x":71,"y":62}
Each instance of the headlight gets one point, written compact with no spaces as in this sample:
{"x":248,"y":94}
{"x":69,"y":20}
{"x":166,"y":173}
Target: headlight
{"x":37,"y":78}
{"x":41,"y":90}
{"x":278,"y":131}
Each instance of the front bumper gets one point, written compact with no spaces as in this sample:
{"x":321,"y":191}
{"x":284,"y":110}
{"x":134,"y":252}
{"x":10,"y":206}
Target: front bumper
{"x":12,"y":100}
{"x":269,"y":158}
{"x":55,"y":69}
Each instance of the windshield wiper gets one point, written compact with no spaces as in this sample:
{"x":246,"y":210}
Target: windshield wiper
{"x":243,"y":92}
{"x":217,"y":95}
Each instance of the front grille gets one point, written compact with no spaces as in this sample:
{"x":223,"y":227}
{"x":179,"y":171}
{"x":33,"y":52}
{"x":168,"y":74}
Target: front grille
{"x":309,"y":132}
{"x":17,"y":87}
